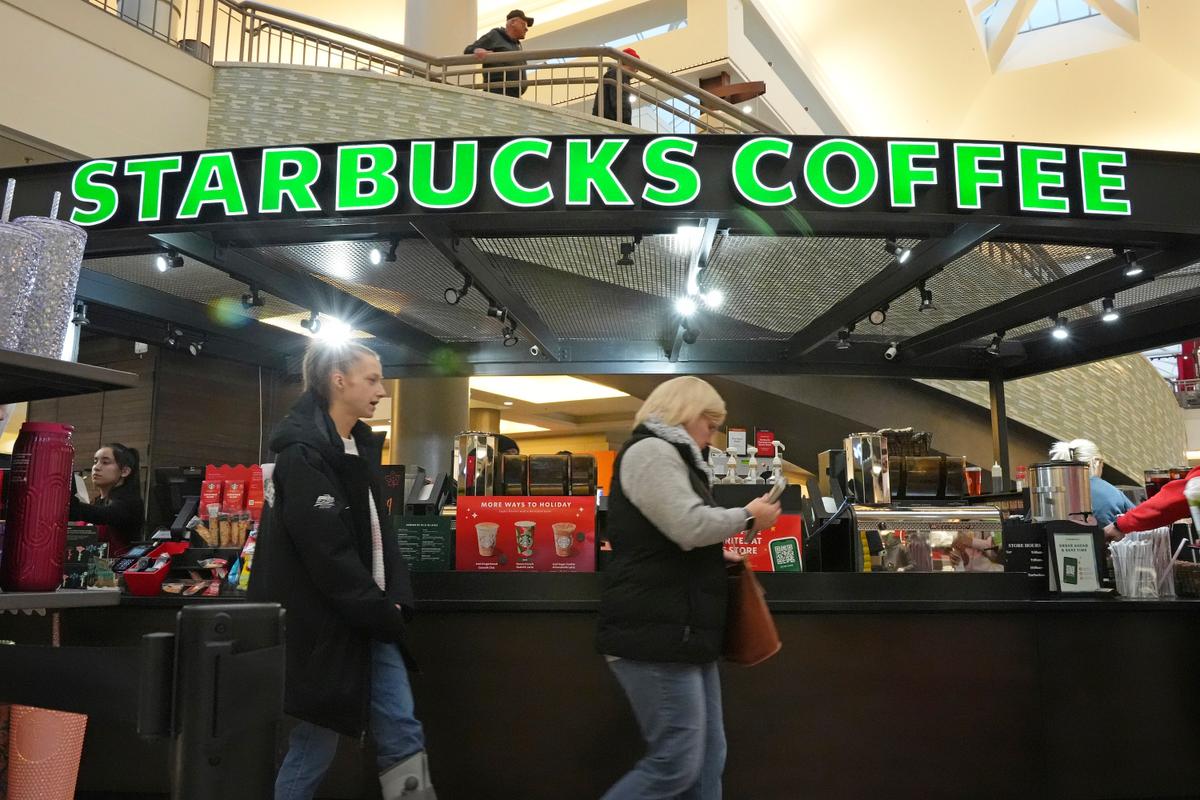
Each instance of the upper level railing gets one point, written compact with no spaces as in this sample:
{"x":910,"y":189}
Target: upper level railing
{"x":567,"y":78}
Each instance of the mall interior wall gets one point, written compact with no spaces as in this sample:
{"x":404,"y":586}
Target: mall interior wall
{"x":89,"y":84}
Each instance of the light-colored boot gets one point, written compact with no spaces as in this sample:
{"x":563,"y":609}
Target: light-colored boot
{"x":408,"y":779}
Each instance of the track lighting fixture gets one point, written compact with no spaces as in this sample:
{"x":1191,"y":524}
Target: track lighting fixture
{"x":453,"y":295}
{"x":174,"y":336}
{"x":714,"y":298}
{"x":313,"y":323}
{"x":901,"y":254}
{"x":497,"y":312}
{"x":843,"y":337}
{"x":1132,"y":267}
{"x":168,"y":260}
{"x":878,"y":316}
{"x":510,"y":335}
{"x":1110,"y":310}
{"x":80,"y":316}
{"x":994,"y":348}
{"x":195,"y":347}
{"x":1060,"y":330}
{"x":627,"y":249}
{"x":253,"y":299}
{"x":926,"y":298}
{"x":378,"y":256}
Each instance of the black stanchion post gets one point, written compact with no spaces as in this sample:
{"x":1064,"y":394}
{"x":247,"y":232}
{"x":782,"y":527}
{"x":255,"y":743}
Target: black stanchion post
{"x":228,"y":701}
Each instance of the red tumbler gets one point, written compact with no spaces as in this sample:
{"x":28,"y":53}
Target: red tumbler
{"x":39,"y":495}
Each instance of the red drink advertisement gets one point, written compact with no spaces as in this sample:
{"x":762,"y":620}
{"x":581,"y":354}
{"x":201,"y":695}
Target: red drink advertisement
{"x":525,"y":534}
{"x":777,"y":549}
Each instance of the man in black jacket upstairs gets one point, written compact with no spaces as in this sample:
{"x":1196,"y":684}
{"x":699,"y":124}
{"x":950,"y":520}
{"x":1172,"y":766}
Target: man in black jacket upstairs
{"x":503,"y":40}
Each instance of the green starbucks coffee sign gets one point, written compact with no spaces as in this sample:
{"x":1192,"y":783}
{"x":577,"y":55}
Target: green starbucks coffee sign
{"x":603,"y":173}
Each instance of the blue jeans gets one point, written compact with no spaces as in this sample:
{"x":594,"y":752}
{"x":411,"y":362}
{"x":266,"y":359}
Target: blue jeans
{"x":398,"y":734}
{"x":678,"y":708}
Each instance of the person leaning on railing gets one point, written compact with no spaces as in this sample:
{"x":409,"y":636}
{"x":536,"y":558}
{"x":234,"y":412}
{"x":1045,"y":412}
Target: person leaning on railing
{"x":503,"y":40}
{"x":605,"y":104}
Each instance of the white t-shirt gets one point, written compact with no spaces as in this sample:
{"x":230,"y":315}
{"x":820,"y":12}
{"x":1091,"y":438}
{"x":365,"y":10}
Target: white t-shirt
{"x":377,"y":571}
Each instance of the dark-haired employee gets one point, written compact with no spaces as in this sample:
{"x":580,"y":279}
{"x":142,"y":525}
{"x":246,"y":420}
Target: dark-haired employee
{"x":117,"y":513}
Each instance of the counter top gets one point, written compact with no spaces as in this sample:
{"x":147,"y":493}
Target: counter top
{"x":63,"y":598}
{"x":809,"y":593}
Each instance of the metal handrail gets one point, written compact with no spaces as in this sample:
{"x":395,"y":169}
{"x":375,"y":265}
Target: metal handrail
{"x":247,"y":31}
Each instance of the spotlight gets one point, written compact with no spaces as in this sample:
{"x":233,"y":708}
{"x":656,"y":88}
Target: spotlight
{"x":626,"y":259}
{"x":686,"y":306}
{"x":843,"y":339}
{"x":926,"y":298}
{"x":1110,"y":311}
{"x":510,"y":335}
{"x":994,"y":348}
{"x":174,"y":337}
{"x":253,"y":299}
{"x":168,"y":260}
{"x":714,"y":298}
{"x":690,"y":332}
{"x":377,"y":256}
{"x":1060,"y":331}
{"x":627,"y":248}
{"x":195,"y":347}
{"x":497,"y":312}
{"x":901,"y":254}
{"x":312,"y":324}
{"x":892,"y":351}
{"x":878,"y":316}
{"x":1132,"y":267}
{"x":453,"y":295}
{"x":80,"y":317}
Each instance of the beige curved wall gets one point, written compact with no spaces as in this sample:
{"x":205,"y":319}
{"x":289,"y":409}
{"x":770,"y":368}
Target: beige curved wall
{"x":262,"y":105}
{"x":1123,"y":405}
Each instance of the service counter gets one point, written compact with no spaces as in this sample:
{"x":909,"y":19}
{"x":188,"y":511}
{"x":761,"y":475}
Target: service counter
{"x":923,"y":686}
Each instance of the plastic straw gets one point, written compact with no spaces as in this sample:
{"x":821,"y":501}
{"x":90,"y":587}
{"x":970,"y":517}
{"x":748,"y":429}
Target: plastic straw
{"x":9,"y":191}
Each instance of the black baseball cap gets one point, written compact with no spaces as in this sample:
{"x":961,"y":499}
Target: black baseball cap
{"x":516,"y":12}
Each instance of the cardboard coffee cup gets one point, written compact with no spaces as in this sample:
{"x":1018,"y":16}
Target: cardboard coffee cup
{"x":564,"y":538}
{"x":486,"y":533}
{"x":525,"y":530}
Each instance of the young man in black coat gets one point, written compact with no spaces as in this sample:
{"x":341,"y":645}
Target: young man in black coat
{"x":503,"y":40}
{"x":329,"y":556}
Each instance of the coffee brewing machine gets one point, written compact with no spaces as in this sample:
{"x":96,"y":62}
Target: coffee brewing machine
{"x":866,"y":512}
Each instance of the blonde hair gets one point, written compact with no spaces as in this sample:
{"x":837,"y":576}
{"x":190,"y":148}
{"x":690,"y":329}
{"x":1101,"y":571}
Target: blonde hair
{"x":323,"y":358}
{"x":681,"y":400}
{"x":1084,"y":450}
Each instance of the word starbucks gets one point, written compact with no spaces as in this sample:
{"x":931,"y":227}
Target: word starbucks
{"x":561,"y":172}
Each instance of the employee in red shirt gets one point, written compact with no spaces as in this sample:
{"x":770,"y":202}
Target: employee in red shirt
{"x":1165,"y":508}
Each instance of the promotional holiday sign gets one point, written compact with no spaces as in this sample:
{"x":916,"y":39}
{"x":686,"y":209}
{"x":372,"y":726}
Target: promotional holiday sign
{"x":777,"y":549}
{"x":526,"y":534}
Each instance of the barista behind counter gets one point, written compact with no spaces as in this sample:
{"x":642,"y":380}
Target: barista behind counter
{"x":117,"y":513}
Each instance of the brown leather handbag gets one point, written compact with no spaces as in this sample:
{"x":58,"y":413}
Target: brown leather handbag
{"x":750,"y":634}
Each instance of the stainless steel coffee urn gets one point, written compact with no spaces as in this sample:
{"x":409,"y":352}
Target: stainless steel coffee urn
{"x":1061,"y":490}
{"x":476,"y":456}
{"x":867,"y":468}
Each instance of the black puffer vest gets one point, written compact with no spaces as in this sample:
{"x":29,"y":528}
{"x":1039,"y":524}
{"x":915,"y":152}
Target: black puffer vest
{"x":659,"y":602}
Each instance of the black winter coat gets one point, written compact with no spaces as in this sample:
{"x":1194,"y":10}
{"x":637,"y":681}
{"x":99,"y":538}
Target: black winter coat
{"x":659,"y":602}
{"x":608,"y":94}
{"x":314,"y":557}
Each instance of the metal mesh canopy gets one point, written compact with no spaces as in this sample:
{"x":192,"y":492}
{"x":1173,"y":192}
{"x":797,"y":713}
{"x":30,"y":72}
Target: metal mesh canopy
{"x":193,"y":281}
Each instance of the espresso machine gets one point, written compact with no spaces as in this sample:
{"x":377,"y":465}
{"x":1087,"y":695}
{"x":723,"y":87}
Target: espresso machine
{"x":852,"y":523}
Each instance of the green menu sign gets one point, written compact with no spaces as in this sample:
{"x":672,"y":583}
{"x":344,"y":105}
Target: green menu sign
{"x":426,"y":542}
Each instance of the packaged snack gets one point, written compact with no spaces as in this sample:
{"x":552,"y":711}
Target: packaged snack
{"x":233,"y":501}
{"x":173,"y":587}
{"x":247,"y":562}
{"x":194,"y":589}
{"x":210,"y":497}
{"x":254,"y":493}
{"x":203,"y":531}
{"x":213,"y":588}
{"x":225,"y":536}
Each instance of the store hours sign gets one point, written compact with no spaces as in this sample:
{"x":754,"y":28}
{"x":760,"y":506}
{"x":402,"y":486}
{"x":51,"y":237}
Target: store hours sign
{"x":603,"y":173}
